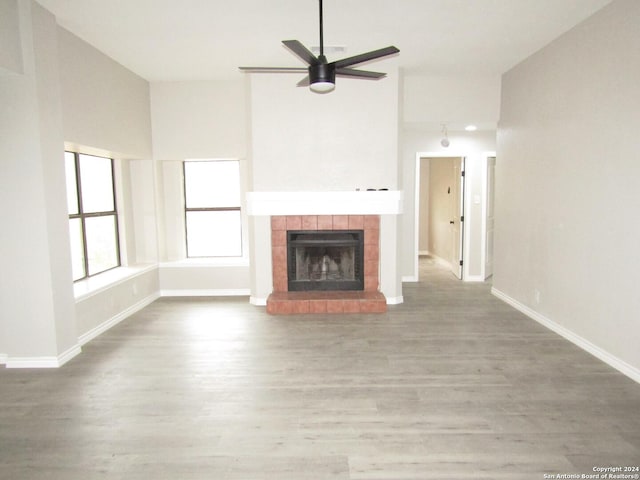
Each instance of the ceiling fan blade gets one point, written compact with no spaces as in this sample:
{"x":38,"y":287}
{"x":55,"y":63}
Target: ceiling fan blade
{"x":273,"y":69}
{"x":301,"y":51}
{"x":304,"y":82}
{"x":352,"y":72}
{"x":364,"y":57}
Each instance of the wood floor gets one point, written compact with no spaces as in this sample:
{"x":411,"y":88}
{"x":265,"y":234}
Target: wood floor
{"x":453,"y":384}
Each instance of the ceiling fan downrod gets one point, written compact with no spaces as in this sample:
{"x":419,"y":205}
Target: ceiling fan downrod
{"x":322,"y":58}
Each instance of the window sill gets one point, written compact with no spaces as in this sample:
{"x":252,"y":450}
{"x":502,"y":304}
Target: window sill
{"x":89,"y":287}
{"x":207,"y":262}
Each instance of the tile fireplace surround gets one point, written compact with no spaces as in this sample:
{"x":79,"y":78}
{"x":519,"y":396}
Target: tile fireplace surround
{"x":370,"y":300}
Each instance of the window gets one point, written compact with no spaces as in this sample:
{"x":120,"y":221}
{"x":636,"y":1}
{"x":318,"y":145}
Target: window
{"x":212,"y":208}
{"x":93,"y":221}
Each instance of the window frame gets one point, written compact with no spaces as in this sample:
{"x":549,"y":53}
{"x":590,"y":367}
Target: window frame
{"x":82,"y":216}
{"x":210,"y":209}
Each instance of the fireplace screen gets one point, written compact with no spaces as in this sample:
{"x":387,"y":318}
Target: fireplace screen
{"x":325,"y":260}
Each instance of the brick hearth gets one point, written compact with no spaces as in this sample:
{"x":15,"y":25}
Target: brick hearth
{"x":281,"y":301}
{"x":326,"y":302}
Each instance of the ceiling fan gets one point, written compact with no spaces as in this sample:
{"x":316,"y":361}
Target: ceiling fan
{"x":321,"y":76}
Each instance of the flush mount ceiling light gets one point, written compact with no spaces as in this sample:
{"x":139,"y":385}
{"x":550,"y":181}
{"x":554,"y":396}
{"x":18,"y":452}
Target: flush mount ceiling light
{"x":470,"y":128}
{"x":445,"y":139}
{"x":321,"y":76}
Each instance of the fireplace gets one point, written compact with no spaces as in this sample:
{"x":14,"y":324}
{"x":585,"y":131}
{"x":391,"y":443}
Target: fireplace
{"x":375,"y":212}
{"x":350,"y":280}
{"x":325,"y":260}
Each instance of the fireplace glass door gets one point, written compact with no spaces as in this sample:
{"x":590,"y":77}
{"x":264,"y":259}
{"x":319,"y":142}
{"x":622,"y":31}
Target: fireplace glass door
{"x":325,"y":260}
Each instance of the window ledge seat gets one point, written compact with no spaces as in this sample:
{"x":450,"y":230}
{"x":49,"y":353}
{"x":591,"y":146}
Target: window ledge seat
{"x":207,"y":262}
{"x":91,"y":286}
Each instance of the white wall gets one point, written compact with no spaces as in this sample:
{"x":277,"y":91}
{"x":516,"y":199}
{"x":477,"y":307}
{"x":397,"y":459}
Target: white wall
{"x":196,"y":279}
{"x":38,"y":323}
{"x":567,"y":186}
{"x":103,"y":308}
{"x":432,"y":99}
{"x":423,"y":206}
{"x":474,"y":215}
{"x":343,"y":140}
{"x":205,"y":119}
{"x":105,"y":106}
{"x":11,"y":48}
{"x":260,"y":271}
{"x":143,"y":213}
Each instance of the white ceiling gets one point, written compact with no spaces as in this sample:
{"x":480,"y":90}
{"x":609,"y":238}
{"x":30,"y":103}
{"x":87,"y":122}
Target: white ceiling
{"x":165,"y":40}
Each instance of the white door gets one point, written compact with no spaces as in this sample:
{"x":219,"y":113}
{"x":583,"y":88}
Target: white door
{"x":488,"y":254}
{"x":457,"y":216}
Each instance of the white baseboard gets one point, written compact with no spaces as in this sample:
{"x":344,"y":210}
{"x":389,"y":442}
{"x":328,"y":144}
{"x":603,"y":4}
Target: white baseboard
{"x":43,"y":362}
{"x":409,"y":278}
{"x":220,"y":292}
{"x":395,"y":300}
{"x":104,"y":326}
{"x":3,"y":358}
{"x":258,"y":301}
{"x":611,"y":360}
{"x":32,"y":362}
{"x":474,"y":278}
{"x":69,"y":354}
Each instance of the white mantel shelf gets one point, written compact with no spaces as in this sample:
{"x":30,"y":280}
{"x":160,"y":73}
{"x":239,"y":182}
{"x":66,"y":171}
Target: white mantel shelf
{"x":325,"y":203}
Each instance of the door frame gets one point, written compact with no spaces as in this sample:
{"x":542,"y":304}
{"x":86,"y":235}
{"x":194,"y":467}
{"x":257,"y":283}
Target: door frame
{"x":460,"y":213}
{"x":463,"y":231}
{"x":489,"y":196}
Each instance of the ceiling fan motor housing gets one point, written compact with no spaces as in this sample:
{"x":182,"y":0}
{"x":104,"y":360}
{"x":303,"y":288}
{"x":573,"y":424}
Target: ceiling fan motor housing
{"x":322,"y":72}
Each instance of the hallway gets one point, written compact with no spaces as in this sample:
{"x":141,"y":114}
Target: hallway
{"x":451,"y":384}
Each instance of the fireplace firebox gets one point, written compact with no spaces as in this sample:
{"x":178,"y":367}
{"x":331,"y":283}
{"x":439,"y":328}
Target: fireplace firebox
{"x":325,"y":260}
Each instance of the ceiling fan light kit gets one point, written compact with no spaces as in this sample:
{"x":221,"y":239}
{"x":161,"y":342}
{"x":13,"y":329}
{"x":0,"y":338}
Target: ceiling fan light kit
{"x":322,"y":78}
{"x":322,"y":87}
{"x":322,"y":74}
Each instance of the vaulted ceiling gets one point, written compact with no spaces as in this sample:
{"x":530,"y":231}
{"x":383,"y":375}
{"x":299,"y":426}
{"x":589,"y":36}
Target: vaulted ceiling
{"x":166,"y":40}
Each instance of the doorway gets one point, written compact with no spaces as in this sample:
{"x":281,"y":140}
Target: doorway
{"x":441,"y":211}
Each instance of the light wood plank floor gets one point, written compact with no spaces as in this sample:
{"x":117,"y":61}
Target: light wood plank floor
{"x":453,"y":384}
